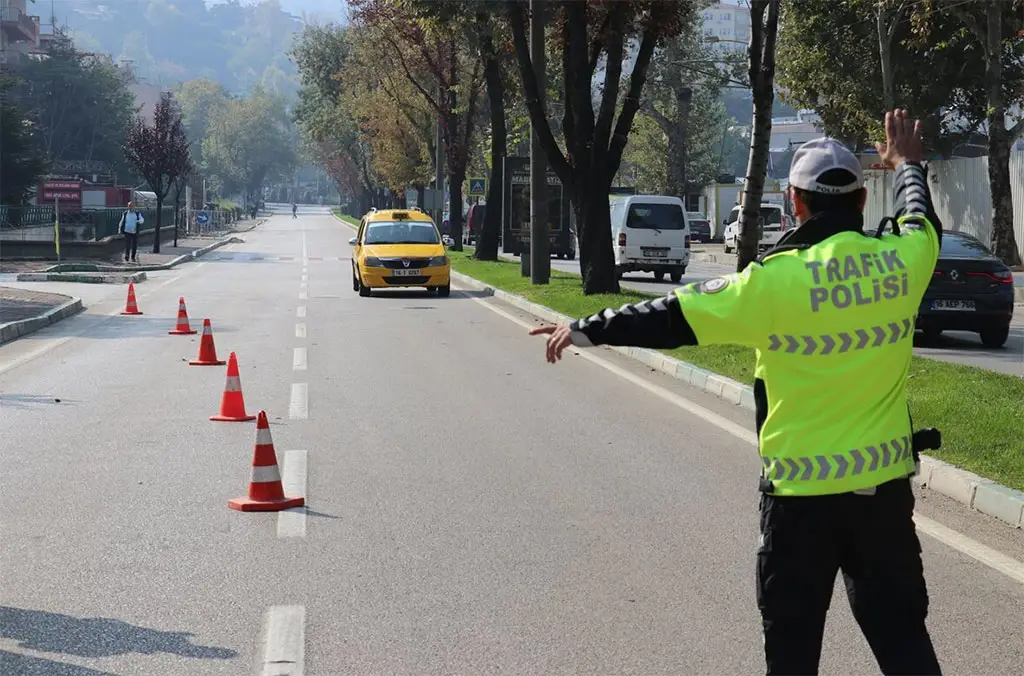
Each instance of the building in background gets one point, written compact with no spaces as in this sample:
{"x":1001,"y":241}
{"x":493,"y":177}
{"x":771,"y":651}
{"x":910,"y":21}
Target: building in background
{"x":727,"y":26}
{"x":19,"y":31}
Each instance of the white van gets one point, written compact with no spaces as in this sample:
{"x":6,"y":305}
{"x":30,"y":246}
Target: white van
{"x":774,"y":224}
{"x":650,"y":233}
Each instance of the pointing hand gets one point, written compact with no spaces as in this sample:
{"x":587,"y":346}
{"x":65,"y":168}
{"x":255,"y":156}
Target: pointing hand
{"x":559,"y":338}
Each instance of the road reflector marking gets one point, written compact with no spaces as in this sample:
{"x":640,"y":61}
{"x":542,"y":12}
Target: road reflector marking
{"x":284,"y":642}
{"x":291,"y":523}
{"x":298,"y":409}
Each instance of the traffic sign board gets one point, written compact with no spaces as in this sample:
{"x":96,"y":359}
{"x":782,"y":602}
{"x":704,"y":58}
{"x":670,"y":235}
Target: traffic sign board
{"x":202,"y":218}
{"x":478,"y":187}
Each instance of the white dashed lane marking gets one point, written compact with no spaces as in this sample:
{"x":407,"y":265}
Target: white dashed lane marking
{"x":300,"y":330}
{"x":291,"y":523}
{"x":299,"y":359}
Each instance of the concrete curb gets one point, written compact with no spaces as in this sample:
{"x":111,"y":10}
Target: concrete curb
{"x":978,"y":493}
{"x":1018,"y":294}
{"x":14,"y":330}
{"x":56,"y":269}
{"x":83,"y":277}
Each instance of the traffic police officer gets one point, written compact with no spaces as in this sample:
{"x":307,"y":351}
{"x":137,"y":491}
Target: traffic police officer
{"x":831,"y":313}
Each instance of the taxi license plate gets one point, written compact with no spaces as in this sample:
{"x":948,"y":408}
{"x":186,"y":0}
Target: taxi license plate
{"x":654,"y":253}
{"x":961,"y":305}
{"x":405,"y":273}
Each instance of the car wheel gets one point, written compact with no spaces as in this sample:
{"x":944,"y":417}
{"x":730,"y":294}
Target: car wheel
{"x":995,"y":336}
{"x":444,"y":291}
{"x":355,"y":283}
{"x":728,"y":249}
{"x":571,"y":256}
{"x":678,"y":275}
{"x":931,"y":334}
{"x":659,"y":276}
{"x":364,"y":290}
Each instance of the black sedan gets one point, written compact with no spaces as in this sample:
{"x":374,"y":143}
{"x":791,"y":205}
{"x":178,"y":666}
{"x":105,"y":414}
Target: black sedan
{"x":700,"y":228}
{"x":971,"y":290}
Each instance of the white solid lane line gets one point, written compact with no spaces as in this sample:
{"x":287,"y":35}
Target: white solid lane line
{"x":300,"y":311}
{"x":299,"y":359}
{"x":291,"y":523}
{"x":298,"y":409}
{"x":300,"y":330}
{"x":284,"y":642}
{"x":1010,"y":567}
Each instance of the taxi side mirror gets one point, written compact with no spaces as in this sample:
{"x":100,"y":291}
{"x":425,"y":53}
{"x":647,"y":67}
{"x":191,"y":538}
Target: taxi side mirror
{"x":352,"y":242}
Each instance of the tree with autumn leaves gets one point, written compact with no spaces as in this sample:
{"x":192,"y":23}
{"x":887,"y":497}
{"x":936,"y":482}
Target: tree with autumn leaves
{"x":159,"y":153}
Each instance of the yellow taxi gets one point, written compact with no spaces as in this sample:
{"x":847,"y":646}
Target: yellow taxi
{"x":397,"y":248}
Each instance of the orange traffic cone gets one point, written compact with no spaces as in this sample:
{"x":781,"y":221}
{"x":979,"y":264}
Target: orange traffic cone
{"x":207,"y":350}
{"x":232,"y":405}
{"x":182,"y":328}
{"x":131,"y":307}
{"x":266,"y":492}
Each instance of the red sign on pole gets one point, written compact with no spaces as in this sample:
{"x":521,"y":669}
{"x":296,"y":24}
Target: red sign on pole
{"x":63,"y":191}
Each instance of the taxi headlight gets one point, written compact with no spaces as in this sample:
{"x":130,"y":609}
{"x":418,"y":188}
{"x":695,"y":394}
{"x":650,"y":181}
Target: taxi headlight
{"x":437,"y":262}
{"x":372,"y":262}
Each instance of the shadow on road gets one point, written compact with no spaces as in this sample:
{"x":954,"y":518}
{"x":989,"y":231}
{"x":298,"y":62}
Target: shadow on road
{"x":21,"y":665}
{"x":96,"y":637}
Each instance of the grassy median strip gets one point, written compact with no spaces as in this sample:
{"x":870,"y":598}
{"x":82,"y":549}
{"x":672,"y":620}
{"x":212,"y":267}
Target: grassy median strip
{"x":980,"y":413}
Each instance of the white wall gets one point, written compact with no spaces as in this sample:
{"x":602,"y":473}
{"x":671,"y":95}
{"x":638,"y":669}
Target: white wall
{"x":960,"y":191}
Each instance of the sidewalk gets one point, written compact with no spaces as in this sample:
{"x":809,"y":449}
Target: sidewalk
{"x":22,"y":311}
{"x":146,"y":258}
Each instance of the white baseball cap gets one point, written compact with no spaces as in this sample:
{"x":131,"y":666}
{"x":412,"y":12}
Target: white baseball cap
{"x":815,"y":157}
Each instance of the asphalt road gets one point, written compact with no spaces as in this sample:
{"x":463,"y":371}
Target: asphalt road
{"x":959,"y":347}
{"x":471,"y":509}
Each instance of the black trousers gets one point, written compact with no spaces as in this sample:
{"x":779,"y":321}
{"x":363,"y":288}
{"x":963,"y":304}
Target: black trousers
{"x":131,"y":245}
{"x":805,"y":541}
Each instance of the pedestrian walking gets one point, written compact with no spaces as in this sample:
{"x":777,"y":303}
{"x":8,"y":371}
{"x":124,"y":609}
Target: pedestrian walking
{"x":831,"y":311}
{"x":129,"y":227}
{"x":295,"y":209}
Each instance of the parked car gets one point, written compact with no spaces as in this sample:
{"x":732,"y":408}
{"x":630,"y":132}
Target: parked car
{"x":700,"y":227}
{"x":971,"y":290}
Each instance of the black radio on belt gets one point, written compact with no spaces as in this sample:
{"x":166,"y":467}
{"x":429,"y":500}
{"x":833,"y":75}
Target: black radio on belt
{"x":927,"y":439}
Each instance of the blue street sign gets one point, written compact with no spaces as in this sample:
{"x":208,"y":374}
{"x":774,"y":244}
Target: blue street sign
{"x":202,"y":218}
{"x":478,"y":187}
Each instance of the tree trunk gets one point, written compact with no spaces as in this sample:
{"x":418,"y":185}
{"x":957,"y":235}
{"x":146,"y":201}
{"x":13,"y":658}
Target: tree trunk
{"x":884,"y":25}
{"x":457,"y":175}
{"x":177,"y":215}
{"x":678,"y":137}
{"x":762,"y":79}
{"x":594,"y":227}
{"x":999,"y":143}
{"x":159,"y":218}
{"x":487,"y":241}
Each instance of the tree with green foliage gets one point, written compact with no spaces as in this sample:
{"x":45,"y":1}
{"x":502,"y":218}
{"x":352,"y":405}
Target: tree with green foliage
{"x":590,"y":34}
{"x":250,"y":142}
{"x":997,"y":27}
{"x":21,"y":162}
{"x":80,"y":104}
{"x":676,"y":140}
{"x":447,"y":73}
{"x":323,"y":112}
{"x":892,"y":52}
{"x":159,"y":153}
{"x":198,"y":99}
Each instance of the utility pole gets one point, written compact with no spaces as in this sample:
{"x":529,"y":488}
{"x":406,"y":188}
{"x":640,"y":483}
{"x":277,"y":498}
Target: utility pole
{"x":540,"y":248}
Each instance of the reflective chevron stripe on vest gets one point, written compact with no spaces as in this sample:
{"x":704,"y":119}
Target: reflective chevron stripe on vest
{"x":825,"y":344}
{"x":838,"y":465}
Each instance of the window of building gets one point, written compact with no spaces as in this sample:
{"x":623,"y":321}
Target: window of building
{"x":727,"y":16}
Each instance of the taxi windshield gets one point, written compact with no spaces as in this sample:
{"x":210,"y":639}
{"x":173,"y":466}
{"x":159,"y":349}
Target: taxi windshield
{"x":401,"y":232}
